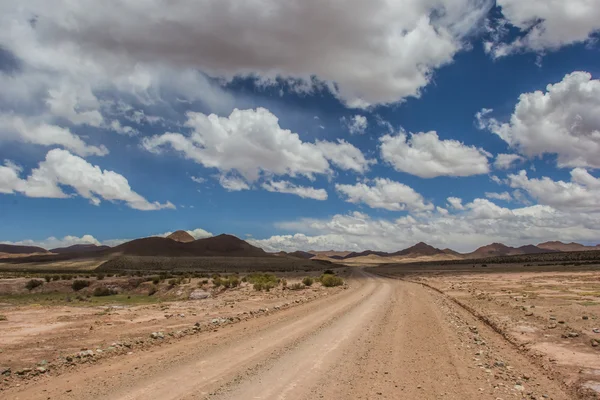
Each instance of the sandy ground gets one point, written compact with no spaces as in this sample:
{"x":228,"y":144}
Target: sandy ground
{"x":555,"y":316}
{"x":378,"y":339}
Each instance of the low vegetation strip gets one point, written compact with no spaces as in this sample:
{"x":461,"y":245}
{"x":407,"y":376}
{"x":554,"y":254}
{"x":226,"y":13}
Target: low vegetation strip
{"x":211,"y":264}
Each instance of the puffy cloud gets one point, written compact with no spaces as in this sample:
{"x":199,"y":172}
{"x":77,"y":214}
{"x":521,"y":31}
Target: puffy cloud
{"x":26,"y":130}
{"x":198,"y":179}
{"x":564,"y":120}
{"x":425,"y":155}
{"x":499,"y":196}
{"x":581,"y":194}
{"x":197,"y":233}
{"x":251,"y":142}
{"x":356,"y":125}
{"x":379,"y":52}
{"x":61,"y":168}
{"x":233,"y":183}
{"x":116,"y":126}
{"x":481,"y":223}
{"x":302,"y":191}
{"x":455,"y":203}
{"x":386,"y":194}
{"x":545,"y":25}
{"x":506,"y":161}
{"x":345,"y":156}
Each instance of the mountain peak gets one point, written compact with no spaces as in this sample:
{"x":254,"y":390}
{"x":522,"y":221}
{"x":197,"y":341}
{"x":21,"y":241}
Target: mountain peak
{"x":181,"y":236}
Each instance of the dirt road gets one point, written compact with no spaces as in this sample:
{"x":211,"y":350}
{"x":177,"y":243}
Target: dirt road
{"x":380,"y":339}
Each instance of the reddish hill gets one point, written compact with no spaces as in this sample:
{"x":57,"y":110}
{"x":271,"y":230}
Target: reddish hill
{"x":493,"y":250}
{"x":499,"y":249}
{"x":181,"y":236}
{"x":79,"y":248}
{"x":15,"y":249}
{"x":560,"y":246}
{"x":222,"y":245}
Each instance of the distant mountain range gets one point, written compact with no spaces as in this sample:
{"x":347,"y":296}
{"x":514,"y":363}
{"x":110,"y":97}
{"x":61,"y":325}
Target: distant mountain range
{"x":182,"y":244}
{"x":176,"y":245}
{"x":423,"y":251}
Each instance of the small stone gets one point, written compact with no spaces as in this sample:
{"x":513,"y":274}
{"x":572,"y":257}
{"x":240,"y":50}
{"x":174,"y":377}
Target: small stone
{"x":41,"y":370}
{"x":520,"y":388}
{"x":573,"y":334}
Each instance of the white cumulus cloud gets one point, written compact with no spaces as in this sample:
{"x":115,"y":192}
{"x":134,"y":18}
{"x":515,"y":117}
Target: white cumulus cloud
{"x":302,"y":191}
{"x":545,"y":25}
{"x":356,"y":125}
{"x":384,"y":193}
{"x":425,"y":155}
{"x":564,"y":120}
{"x":61,"y":168}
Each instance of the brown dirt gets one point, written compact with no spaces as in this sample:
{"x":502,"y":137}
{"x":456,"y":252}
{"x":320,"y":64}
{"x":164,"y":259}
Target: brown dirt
{"x":552,"y":315}
{"x":381,"y":338}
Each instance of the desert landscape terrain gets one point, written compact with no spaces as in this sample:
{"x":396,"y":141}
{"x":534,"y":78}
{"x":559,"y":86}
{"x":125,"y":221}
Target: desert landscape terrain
{"x":178,"y":318}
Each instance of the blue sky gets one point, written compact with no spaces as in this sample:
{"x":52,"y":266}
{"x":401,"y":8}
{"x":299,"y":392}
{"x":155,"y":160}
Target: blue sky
{"x":375,"y":126}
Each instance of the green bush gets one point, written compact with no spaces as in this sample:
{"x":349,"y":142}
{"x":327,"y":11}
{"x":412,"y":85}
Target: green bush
{"x":328,"y":280}
{"x":55,"y":277}
{"x":217,"y":281}
{"x":3,"y":318}
{"x":258,"y":286}
{"x":66,"y":277}
{"x":48,"y":278}
{"x":100,"y":277}
{"x":308,"y":281}
{"x":79,"y":284}
{"x":328,"y":272}
{"x":155,"y":280}
{"x":102,"y":291}
{"x":32,"y":284}
{"x":297,"y":286}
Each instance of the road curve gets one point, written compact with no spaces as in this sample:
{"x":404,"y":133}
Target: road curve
{"x":381,"y":338}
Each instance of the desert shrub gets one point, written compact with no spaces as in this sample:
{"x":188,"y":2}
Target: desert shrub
{"x":215,"y":276}
{"x":234,"y":281}
{"x":173,"y":282}
{"x":152,"y":290}
{"x":135,"y":282}
{"x":102,"y":291}
{"x":217,"y":281}
{"x":79,"y":284}
{"x":100,"y":277}
{"x":204,"y":281}
{"x":308,"y":281}
{"x":226,"y":283}
{"x":284,"y":282}
{"x":328,"y":280}
{"x":297,"y":286}
{"x":155,"y":280}
{"x":244,"y":279}
{"x":263,"y":278}
{"x":55,"y":277}
{"x":3,"y":318}
{"x":258,"y":286}
{"x":33,"y":283}
{"x":48,"y":278}
{"x":328,"y":272}
{"x":66,"y":277}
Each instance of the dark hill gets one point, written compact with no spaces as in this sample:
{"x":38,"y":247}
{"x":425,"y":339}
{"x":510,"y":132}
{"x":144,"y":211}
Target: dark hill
{"x":222,"y":245}
{"x":79,"y":248}
{"x":15,"y":249}
{"x":419,"y":249}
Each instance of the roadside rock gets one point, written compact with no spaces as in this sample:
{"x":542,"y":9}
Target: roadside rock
{"x":199,"y":294}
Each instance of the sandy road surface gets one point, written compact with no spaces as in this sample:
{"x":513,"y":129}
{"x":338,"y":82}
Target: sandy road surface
{"x":380,"y":339}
